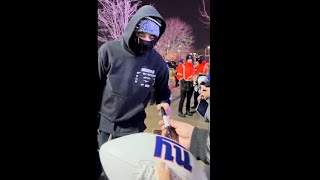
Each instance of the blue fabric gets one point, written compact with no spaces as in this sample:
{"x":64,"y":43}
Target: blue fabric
{"x":148,"y":26}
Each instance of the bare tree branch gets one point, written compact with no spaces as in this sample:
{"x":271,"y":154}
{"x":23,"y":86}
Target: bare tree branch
{"x":205,"y":17}
{"x":177,"y":38}
{"x":113,"y":17}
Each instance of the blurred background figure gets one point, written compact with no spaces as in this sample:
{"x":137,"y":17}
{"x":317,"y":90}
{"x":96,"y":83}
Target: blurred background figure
{"x":177,"y":81}
{"x":185,"y":73}
{"x":202,"y":70}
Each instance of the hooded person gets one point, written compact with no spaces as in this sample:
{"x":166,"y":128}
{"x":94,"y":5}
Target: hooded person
{"x":128,"y":69}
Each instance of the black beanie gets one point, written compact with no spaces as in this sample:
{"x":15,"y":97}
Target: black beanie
{"x":202,"y":58}
{"x":189,"y":57}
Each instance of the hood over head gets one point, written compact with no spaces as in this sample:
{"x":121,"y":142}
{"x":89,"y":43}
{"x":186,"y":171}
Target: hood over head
{"x":145,"y":12}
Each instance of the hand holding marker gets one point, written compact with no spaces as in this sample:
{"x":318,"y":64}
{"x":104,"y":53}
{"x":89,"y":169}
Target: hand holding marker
{"x":166,"y":124}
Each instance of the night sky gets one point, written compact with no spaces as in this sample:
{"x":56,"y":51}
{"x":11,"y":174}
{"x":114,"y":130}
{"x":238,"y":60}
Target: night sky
{"x":188,"y":11}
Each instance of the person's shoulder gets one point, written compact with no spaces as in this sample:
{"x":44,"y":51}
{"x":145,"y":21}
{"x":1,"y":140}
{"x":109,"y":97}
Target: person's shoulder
{"x":109,"y":44}
{"x":158,"y":58}
{"x":190,"y":65}
{"x":157,"y":55}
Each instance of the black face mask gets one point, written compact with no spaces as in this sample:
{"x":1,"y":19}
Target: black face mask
{"x":139,"y":46}
{"x":144,"y":46}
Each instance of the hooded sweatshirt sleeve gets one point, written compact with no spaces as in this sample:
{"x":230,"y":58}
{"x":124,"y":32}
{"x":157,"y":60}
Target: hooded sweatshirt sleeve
{"x":200,"y":144}
{"x":102,"y":70}
{"x":162,"y":91}
{"x":200,"y":141}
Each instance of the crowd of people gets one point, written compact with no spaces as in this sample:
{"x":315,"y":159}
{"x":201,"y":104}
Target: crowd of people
{"x":188,"y":74}
{"x":131,"y":73}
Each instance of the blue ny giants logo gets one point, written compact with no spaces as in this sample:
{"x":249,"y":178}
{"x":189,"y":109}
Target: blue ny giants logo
{"x":164,"y":142}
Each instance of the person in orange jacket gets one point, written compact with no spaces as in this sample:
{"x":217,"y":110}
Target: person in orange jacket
{"x":202,"y":70}
{"x":181,"y":61}
{"x":185,"y":73}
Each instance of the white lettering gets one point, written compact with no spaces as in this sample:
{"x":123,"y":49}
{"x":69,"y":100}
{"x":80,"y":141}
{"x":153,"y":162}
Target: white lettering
{"x":147,"y":70}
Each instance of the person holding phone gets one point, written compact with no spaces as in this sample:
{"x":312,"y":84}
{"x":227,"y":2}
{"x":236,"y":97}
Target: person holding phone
{"x":202,"y":70}
{"x":204,"y":93}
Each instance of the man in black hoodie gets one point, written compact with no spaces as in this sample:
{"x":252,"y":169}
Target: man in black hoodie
{"x":128,"y":69}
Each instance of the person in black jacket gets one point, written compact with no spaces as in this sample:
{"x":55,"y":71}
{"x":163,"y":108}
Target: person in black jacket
{"x":128,"y":69}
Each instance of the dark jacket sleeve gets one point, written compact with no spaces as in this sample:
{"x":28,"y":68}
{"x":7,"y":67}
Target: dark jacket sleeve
{"x":162,"y":91}
{"x":200,"y":144}
{"x":102,"y":73}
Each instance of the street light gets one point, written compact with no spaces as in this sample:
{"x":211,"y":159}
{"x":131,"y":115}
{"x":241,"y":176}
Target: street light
{"x":179,"y":50}
{"x":208,"y":54}
{"x":167,"y":49}
{"x":205,"y":52}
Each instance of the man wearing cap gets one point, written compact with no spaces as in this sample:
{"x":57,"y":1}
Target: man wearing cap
{"x":185,"y":73}
{"x":128,"y":69}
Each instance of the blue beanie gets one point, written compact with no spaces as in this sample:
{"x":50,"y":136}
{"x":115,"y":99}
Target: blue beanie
{"x":147,"y":25}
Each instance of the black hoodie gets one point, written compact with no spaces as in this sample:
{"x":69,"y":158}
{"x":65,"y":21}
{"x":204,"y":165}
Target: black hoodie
{"x":126,"y":80}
